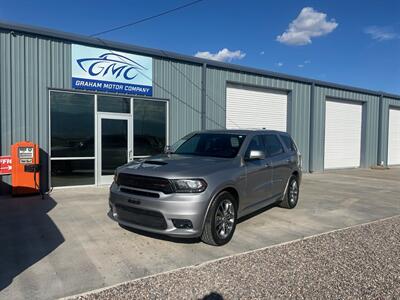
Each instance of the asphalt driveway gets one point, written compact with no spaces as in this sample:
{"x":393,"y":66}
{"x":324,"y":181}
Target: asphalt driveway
{"x":66,"y":244}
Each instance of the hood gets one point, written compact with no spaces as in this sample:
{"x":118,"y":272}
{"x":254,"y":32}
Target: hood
{"x":177,"y":166}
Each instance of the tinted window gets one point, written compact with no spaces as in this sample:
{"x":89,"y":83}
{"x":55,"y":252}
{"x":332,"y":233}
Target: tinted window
{"x":72,"y":125}
{"x":180,"y":142}
{"x":113,"y":104}
{"x":150,"y":127}
{"x":256,"y":143}
{"x":190,"y":145}
{"x":212,"y":144}
{"x":273,"y":145}
{"x":114,"y":145}
{"x":288,"y":142}
{"x":72,"y":172}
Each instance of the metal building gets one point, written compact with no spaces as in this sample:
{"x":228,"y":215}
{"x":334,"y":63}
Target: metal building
{"x":92,"y":104}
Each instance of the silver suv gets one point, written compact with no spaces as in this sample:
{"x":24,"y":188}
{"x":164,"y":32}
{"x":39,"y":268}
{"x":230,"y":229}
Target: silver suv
{"x":205,"y":182}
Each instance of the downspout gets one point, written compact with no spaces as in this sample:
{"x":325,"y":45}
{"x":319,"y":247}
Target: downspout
{"x":379,"y":153}
{"x":311,"y":134}
{"x":203,"y":96}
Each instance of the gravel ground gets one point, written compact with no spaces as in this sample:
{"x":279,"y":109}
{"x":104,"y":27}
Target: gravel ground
{"x":357,"y":262}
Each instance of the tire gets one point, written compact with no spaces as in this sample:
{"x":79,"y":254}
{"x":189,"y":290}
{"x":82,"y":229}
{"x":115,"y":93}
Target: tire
{"x":291,"y":196}
{"x":223,"y":210}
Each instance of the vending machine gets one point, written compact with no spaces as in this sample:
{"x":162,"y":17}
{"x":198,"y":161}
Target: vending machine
{"x":25,"y":174}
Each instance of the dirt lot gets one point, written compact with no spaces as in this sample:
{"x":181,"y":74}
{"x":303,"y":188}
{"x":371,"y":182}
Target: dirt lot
{"x":66,"y":244}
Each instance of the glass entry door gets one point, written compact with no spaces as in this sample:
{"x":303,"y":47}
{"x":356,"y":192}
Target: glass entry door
{"x":114,"y":144}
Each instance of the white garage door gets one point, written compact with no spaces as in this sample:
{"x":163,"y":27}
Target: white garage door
{"x":255,"y":108}
{"x":394,"y":137}
{"x":342,"y":135}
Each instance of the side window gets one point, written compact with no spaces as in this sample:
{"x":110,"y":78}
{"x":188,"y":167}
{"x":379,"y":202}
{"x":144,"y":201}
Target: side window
{"x":256,"y":143}
{"x":288,"y":142}
{"x":273,"y":145}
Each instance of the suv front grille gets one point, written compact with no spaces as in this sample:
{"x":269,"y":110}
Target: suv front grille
{"x":145,"y":182}
{"x":142,"y":217}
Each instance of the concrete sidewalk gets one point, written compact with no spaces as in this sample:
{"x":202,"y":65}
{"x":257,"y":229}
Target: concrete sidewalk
{"x":66,"y":244}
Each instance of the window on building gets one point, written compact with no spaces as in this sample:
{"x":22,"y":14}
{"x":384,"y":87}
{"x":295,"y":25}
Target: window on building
{"x":149,"y":127}
{"x":72,"y":121}
{"x":113,"y":104}
{"x":72,"y":125}
{"x":72,"y":172}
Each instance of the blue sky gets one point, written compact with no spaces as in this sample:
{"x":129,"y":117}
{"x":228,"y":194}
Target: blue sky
{"x":350,"y":42}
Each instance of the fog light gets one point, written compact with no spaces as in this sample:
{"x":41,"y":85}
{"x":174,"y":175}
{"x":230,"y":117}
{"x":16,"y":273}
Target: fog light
{"x":182,"y":223}
{"x":114,"y":212}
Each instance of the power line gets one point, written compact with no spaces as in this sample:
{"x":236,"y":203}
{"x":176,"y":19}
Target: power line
{"x":147,"y":18}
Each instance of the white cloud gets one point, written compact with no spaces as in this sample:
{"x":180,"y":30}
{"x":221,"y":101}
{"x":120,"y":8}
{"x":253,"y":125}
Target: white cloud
{"x":308,"y":24}
{"x":262,"y":52}
{"x":279,"y":64}
{"x":304,"y":63}
{"x":223,"y":55}
{"x":381,"y":33}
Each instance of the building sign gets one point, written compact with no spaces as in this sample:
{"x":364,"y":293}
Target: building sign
{"x":5,"y":165}
{"x":111,"y":71}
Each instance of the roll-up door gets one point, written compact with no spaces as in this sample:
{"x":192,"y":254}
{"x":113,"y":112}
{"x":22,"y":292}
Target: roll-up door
{"x":248,"y":107}
{"x":343,"y":123}
{"x":394,"y":137}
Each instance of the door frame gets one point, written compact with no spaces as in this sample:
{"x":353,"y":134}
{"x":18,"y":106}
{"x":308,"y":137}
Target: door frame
{"x":107,"y":179}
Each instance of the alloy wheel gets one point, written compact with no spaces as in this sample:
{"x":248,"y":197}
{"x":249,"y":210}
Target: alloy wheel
{"x":293,"y":192}
{"x":224,"y":218}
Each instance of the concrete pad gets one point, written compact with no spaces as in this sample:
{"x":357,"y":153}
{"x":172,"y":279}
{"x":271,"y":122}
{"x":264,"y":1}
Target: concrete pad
{"x":66,"y":244}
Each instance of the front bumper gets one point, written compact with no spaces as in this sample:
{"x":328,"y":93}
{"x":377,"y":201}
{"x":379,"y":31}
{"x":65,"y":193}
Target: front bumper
{"x":185,"y":206}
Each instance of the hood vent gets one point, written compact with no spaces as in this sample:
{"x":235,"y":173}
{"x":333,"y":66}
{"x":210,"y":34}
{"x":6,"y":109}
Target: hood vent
{"x":155,"y":162}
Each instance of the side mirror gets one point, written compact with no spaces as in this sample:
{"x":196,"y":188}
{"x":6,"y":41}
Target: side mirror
{"x":255,"y":155}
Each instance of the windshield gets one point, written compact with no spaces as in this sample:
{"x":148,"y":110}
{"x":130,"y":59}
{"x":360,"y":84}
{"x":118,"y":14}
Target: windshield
{"x":211,"y":144}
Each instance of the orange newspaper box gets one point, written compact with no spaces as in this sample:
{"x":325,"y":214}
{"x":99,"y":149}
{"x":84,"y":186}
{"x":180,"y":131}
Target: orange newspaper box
{"x":25,"y":168}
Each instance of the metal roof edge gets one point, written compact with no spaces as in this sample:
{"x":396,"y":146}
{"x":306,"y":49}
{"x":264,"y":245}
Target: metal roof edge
{"x":61,"y":35}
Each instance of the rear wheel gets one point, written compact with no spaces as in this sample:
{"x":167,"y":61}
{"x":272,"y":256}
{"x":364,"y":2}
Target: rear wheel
{"x":220,"y":222}
{"x":291,"y":197}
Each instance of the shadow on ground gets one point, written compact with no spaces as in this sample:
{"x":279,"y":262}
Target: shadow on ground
{"x":213,"y":296}
{"x":27,"y":234}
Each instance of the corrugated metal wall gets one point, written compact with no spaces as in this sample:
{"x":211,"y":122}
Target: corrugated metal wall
{"x":299,"y":95}
{"x":370,"y":121}
{"x":387,"y":103}
{"x":181,"y":84}
{"x":28,"y":66}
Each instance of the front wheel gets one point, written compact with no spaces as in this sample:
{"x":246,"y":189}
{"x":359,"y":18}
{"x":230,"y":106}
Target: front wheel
{"x":291,"y":197}
{"x":220,"y":222}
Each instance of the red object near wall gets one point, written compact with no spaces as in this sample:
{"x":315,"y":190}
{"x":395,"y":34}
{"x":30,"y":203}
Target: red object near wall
{"x":5,"y":165}
{"x":25,"y":168}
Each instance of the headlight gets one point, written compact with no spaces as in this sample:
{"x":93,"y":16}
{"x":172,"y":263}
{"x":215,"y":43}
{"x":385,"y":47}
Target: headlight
{"x":189,"y":185}
{"x":116,"y":176}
